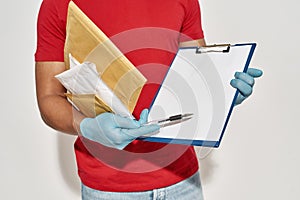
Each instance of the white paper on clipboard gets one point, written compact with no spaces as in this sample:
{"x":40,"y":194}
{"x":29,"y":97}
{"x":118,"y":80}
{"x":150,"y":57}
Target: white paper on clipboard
{"x":198,"y":82}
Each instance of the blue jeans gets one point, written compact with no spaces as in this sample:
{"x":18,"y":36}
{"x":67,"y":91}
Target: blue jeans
{"x":189,"y":189}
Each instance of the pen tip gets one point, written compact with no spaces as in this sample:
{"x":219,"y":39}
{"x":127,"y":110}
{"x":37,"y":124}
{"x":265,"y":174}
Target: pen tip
{"x":188,"y":114}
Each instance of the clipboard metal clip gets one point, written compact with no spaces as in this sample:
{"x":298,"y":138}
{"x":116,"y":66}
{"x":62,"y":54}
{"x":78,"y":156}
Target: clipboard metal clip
{"x":218,"y":48}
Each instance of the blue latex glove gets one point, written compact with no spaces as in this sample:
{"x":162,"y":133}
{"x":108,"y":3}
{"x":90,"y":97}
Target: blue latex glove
{"x":244,"y":83}
{"x":115,"y":131}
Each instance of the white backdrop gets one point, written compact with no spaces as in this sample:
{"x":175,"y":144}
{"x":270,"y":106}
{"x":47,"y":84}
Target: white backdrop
{"x":258,"y":158}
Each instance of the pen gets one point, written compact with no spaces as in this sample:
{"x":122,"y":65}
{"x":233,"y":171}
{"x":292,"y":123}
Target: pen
{"x":178,"y":118}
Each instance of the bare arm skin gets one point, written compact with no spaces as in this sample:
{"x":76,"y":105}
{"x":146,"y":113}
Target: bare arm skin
{"x":199,"y":43}
{"x":55,"y":110}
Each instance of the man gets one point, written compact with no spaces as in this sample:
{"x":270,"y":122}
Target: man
{"x":111,"y":164}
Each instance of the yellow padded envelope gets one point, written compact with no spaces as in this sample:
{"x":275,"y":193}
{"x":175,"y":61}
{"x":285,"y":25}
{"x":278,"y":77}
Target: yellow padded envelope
{"x":86,"y":42}
{"x":89,"y":104}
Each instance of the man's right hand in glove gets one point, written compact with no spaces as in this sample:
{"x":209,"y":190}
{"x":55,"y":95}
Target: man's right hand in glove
{"x":115,"y":131}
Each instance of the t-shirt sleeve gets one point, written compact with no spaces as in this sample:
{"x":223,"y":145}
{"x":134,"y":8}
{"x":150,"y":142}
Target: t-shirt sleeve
{"x":192,"y":27}
{"x":50,"y":33}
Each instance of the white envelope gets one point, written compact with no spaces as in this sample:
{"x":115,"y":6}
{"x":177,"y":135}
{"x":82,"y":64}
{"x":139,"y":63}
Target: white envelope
{"x":84,"y":79}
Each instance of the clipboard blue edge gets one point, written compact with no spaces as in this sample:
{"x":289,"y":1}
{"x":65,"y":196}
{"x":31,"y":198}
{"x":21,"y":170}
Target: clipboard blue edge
{"x":204,"y":143}
{"x":253,"y":46}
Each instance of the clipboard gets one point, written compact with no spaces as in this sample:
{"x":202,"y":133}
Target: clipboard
{"x":198,"y":82}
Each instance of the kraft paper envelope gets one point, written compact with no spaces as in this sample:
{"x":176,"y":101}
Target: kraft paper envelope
{"x":89,"y":104}
{"x":86,"y":42}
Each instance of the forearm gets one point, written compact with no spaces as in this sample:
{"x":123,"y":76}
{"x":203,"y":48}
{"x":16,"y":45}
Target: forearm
{"x":55,"y":109}
{"x":192,"y":43}
{"x":59,"y":114}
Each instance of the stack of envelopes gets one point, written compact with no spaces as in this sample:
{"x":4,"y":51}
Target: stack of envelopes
{"x":87,"y":43}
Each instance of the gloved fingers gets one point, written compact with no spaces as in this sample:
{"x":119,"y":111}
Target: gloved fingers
{"x":144,"y":116}
{"x":143,"y":130}
{"x":84,"y":125}
{"x":124,"y":122}
{"x":245,"y":77}
{"x":242,"y":86}
{"x":240,"y":98}
{"x":254,"y":72}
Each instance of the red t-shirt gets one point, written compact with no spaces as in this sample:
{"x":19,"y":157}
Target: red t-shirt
{"x":148,"y":33}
